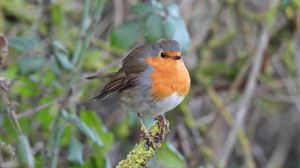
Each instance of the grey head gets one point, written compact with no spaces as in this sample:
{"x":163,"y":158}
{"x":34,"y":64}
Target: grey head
{"x":135,"y":60}
{"x":168,"y":45}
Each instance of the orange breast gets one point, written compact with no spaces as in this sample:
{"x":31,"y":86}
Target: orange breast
{"x":169,"y":76}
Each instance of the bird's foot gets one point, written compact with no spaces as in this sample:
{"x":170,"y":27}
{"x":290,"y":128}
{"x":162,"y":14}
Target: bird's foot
{"x":146,"y":135}
{"x":153,"y":141}
{"x":150,"y":142}
{"x":164,"y":127}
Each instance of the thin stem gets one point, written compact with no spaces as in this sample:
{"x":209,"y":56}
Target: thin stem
{"x":11,"y":113}
{"x":35,"y":110}
{"x":246,"y":99}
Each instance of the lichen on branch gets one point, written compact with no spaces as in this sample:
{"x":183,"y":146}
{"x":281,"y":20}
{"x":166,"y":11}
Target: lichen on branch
{"x":142,"y":153}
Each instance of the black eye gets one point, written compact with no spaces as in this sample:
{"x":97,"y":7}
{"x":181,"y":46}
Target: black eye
{"x":162,"y":54}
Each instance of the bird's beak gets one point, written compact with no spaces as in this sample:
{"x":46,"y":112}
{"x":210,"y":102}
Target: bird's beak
{"x":174,"y":57}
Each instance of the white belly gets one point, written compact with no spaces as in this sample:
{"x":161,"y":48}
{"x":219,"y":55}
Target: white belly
{"x":165,"y":105}
{"x":146,"y":107}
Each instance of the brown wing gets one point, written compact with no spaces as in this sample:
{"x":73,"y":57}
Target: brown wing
{"x":118,"y":82}
{"x":127,"y":76}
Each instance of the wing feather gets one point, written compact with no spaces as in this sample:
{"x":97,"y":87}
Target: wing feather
{"x":117,"y":83}
{"x":127,"y":77}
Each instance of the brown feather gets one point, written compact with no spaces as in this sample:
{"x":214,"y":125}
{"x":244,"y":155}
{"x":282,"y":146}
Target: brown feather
{"x":133,"y":65}
{"x":119,"y":82}
{"x":115,"y":83}
{"x":100,"y":75}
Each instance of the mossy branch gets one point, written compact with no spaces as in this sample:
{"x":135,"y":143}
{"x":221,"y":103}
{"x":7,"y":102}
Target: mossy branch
{"x":141,"y":154}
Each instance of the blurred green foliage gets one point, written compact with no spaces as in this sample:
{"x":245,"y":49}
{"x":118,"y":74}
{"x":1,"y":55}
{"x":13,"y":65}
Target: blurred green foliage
{"x":153,"y":21}
{"x":50,"y":47}
{"x":48,"y":120}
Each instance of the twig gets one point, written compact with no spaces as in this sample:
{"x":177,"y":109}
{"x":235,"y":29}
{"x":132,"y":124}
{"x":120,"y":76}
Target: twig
{"x":297,"y":53}
{"x":259,"y":155}
{"x":289,"y":84}
{"x":281,"y":150}
{"x":275,"y":98}
{"x":3,"y":49}
{"x":105,"y":23}
{"x":205,"y":120}
{"x":284,"y":144}
{"x":119,"y":12}
{"x":244,"y":141}
{"x":56,"y":133}
{"x":12,"y":163}
{"x":246,"y":99}
{"x":184,"y":142}
{"x":49,"y":26}
{"x":35,"y":110}
{"x":1,"y":158}
{"x":10,"y":105}
{"x":141,"y":154}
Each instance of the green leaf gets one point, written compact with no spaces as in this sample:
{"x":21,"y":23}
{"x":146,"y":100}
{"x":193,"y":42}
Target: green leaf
{"x":142,"y":9}
{"x":56,"y":14}
{"x":85,"y":129}
{"x":286,"y":2}
{"x":55,"y":66}
{"x":174,"y":27}
{"x":29,"y":12}
{"x":57,"y":135}
{"x":75,"y":151}
{"x":31,"y":64}
{"x":64,"y":61}
{"x":23,"y":44}
{"x":121,"y":129}
{"x":25,"y":88}
{"x":100,"y":4}
{"x":85,"y":17}
{"x":59,"y":47}
{"x":77,"y":52}
{"x":53,"y":145}
{"x":24,"y":152}
{"x":48,"y":78}
{"x":153,"y":28}
{"x":61,"y":54}
{"x":173,"y":10}
{"x":67,"y":135}
{"x":168,"y":156}
{"x":93,"y":60}
{"x":125,"y":35}
{"x":45,"y":117}
{"x":169,"y":27}
{"x":94,"y":122}
{"x":107,"y":162}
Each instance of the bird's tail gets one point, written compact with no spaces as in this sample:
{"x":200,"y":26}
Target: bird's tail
{"x":117,"y":82}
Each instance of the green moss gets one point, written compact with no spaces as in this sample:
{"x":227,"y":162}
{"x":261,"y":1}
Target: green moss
{"x":141,"y":154}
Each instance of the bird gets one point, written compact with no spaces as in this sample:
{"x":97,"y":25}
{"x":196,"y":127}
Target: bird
{"x":153,"y":80}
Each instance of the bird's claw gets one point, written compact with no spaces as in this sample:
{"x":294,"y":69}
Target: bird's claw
{"x":150,"y":142}
{"x":153,"y":142}
{"x":164,"y":125}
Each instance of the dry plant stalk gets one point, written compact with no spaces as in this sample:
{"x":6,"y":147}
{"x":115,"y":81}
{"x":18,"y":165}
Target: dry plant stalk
{"x":3,"y":49}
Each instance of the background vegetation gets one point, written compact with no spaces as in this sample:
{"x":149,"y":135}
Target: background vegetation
{"x":243,"y":109}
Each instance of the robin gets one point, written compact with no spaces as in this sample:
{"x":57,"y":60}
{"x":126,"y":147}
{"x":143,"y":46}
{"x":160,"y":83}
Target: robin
{"x":152,"y":80}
